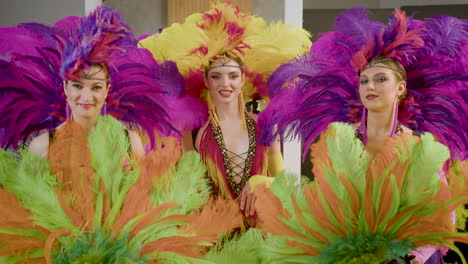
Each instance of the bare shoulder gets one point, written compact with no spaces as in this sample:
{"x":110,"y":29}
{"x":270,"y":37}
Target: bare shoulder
{"x":39,"y":146}
{"x":187,"y":141}
{"x":355,"y":125}
{"x":136,"y":144}
{"x":407,"y":130}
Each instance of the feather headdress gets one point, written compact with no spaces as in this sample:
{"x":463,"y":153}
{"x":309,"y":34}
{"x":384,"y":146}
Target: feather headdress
{"x":143,"y":93}
{"x":99,"y":36}
{"x":91,"y":209}
{"x":321,"y":87}
{"x":225,"y":29}
{"x":362,"y":210}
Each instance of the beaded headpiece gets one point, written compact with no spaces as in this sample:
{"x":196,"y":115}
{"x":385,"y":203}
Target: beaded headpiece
{"x":322,"y":86}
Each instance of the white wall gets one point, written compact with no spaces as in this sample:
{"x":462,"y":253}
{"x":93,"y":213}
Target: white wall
{"x":290,"y":12}
{"x":270,"y":10}
{"x":90,"y":5}
{"x":143,"y":16}
{"x":13,"y":12}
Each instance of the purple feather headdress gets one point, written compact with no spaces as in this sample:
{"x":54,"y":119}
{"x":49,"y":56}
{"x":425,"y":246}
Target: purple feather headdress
{"x":143,"y":93}
{"x":309,"y":93}
{"x":101,"y":34}
{"x":148,"y":95}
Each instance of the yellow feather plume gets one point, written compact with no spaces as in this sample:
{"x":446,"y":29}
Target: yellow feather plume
{"x":226,"y":29}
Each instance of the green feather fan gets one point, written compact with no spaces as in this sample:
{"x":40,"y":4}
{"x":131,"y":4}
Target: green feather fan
{"x":242,"y":248}
{"x":117,"y":234}
{"x":185,"y":184}
{"x":359,"y":210}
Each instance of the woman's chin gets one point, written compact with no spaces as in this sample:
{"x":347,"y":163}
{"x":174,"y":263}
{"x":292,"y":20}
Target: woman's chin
{"x":86,"y":114}
{"x":225,"y":99}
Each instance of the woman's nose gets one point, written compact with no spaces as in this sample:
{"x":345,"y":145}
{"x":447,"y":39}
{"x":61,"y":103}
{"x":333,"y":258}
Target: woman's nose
{"x":86,"y":94}
{"x":371,"y":86}
{"x":225,"y":81}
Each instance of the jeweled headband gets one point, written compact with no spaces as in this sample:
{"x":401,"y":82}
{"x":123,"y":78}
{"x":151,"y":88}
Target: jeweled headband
{"x":374,"y":63}
{"x":224,"y":60}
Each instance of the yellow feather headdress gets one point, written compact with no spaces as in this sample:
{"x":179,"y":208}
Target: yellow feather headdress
{"x":225,"y":29}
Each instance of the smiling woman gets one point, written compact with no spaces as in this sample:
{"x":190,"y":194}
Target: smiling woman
{"x":232,"y":130}
{"x":231,"y":55}
{"x":86,"y":87}
{"x":224,"y":80}
{"x":87,"y":94}
{"x":96,"y":196}
{"x":81,"y":69}
{"x":382,"y":85}
{"x":390,"y":84}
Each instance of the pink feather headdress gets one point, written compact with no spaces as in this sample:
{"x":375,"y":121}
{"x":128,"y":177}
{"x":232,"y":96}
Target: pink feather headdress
{"x":144,"y":94}
{"x":321,"y":87}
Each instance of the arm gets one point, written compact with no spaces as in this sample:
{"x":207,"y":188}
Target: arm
{"x":39,"y":146}
{"x":136,"y":145}
{"x":275,"y":166}
{"x":187,"y":141}
{"x":198,"y":139}
{"x":422,"y":254}
{"x":275,"y":159}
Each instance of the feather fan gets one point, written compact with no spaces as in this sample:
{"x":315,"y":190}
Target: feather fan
{"x":363,"y":210}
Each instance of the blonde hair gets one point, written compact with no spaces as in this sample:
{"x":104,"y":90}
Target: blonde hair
{"x":213,"y":116}
{"x":209,"y":98}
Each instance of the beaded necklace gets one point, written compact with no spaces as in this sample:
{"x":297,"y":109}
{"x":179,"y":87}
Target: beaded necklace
{"x":237,"y":180}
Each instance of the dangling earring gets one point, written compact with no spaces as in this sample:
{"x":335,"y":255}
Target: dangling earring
{"x":68,"y":111}
{"x":104,"y":109}
{"x":241,"y":106}
{"x":395,"y":117}
{"x":363,"y":126}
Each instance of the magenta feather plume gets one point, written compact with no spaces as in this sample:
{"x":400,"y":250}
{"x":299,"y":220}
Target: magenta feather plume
{"x":437,"y":102}
{"x":355,"y":24}
{"x":149,"y":95}
{"x":401,"y":38}
{"x":100,"y":35}
{"x":136,"y":97}
{"x":171,"y":79}
{"x":68,"y":25}
{"x":310,"y":92}
{"x":31,"y":99}
{"x":30,"y":86}
{"x":26,"y":39}
{"x":442,"y":111}
{"x":288,"y":74}
{"x":143,"y":94}
{"x":305,"y":109}
{"x":187,"y":112}
{"x":335,"y":46}
{"x":464,"y":59}
{"x":437,"y":85}
{"x":443,"y":36}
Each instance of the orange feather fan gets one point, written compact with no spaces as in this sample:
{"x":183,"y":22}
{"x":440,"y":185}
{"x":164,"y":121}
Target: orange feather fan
{"x":89,"y":205}
{"x":361,"y":209}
